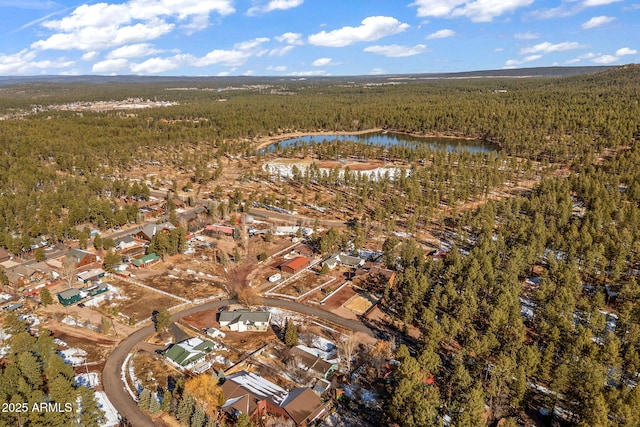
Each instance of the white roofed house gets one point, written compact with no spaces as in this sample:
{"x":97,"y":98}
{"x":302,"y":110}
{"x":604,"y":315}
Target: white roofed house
{"x":245,"y":320}
{"x":343,"y":260}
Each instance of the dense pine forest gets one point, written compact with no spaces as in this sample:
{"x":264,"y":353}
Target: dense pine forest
{"x":489,"y":347}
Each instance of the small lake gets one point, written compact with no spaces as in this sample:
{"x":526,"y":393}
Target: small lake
{"x":387,"y":139}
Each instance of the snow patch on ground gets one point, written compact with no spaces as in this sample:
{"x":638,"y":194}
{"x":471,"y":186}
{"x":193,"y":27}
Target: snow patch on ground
{"x":112,"y":417}
{"x":114,"y":293}
{"x":89,"y":380}
{"x":323,"y":344}
{"x":69,"y":320}
{"x":367,"y":397}
{"x":73,"y":356}
{"x":60,"y":343}
{"x":279,"y":317}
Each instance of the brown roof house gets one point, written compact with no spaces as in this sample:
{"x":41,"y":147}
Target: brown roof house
{"x":80,"y":257}
{"x":251,"y":394}
{"x":295,"y":265}
{"x":4,"y":255}
{"x":313,"y":360}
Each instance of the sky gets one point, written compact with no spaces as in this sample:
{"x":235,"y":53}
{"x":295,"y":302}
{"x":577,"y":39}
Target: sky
{"x":311,"y":37}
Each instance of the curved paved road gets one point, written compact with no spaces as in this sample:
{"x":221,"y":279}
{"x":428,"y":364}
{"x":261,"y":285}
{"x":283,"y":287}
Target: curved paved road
{"x":111,"y":376}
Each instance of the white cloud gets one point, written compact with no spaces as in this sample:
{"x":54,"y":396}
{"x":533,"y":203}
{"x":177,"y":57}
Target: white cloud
{"x":99,"y":26}
{"x":290,"y":38}
{"x":98,"y":38}
{"x":158,"y":65}
{"x":133,"y":51}
{"x":569,"y":8}
{"x":441,"y":34}
{"x":608,"y":59}
{"x":237,"y":56}
{"x":475,"y":10}
{"x":272,"y":5}
{"x":547,"y":47}
{"x":597,"y":21}
{"x":591,"y":3}
{"x":281,"y":51}
{"x":589,"y":55}
{"x":396,"y":51}
{"x":277,"y":68}
{"x":109,"y":66}
{"x":605,"y":59}
{"x":371,"y":29}
{"x":526,"y":36}
{"x":626,"y":51}
{"x":321,"y":62}
{"x":308,"y":73}
{"x":23,"y":62}
{"x":515,"y":62}
{"x":377,"y":72}
{"x":90,"y":56}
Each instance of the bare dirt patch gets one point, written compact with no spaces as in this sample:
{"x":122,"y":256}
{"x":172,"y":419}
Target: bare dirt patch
{"x":152,"y":371}
{"x":203,"y":319}
{"x":339,"y":298}
{"x":140,"y":302}
{"x":302,"y":283}
{"x":360,"y":302}
{"x":187,"y":285}
{"x":96,"y":345}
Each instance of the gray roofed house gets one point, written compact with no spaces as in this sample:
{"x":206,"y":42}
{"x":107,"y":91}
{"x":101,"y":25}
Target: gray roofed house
{"x":125,"y":242}
{"x":343,"y":260}
{"x":150,"y":230}
{"x":245,"y":320}
{"x":69,"y":296}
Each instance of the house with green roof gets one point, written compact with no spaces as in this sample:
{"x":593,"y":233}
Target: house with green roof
{"x":146,"y":260}
{"x":190,"y":354}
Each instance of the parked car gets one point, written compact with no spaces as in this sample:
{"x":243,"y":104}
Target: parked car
{"x":275,"y":277}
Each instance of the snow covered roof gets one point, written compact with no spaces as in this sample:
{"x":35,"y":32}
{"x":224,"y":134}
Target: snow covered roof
{"x":259,"y":386}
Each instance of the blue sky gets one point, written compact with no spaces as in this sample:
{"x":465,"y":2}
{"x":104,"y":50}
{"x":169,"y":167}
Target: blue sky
{"x":311,"y":37}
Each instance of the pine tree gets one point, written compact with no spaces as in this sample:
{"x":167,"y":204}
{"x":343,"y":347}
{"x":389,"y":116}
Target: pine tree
{"x":244,"y":421}
{"x":154,"y":405}
{"x":198,"y":417}
{"x":162,"y":319}
{"x":290,"y":334}
{"x":144,"y":400}
{"x":45,"y":297}
{"x":185,"y":409}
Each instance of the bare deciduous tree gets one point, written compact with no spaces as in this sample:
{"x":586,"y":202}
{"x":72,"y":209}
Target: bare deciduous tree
{"x":348,"y":347}
{"x":69,"y":271}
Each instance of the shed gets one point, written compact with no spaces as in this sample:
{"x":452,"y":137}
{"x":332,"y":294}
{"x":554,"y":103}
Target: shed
{"x":295,"y":265}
